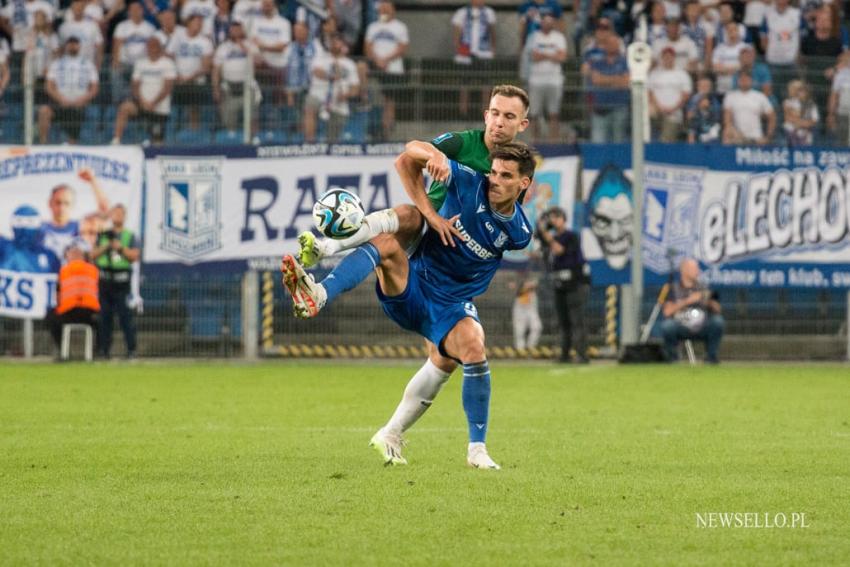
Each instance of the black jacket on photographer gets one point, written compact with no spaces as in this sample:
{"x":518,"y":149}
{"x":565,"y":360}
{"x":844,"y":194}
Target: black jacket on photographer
{"x":569,"y":269}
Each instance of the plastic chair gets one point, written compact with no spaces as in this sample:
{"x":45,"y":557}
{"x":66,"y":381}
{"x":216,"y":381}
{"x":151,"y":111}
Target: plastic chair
{"x":66,"y":340}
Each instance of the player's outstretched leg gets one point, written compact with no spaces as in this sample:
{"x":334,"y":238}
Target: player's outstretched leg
{"x":466,"y":342}
{"x":308,"y":297}
{"x":404,"y":220}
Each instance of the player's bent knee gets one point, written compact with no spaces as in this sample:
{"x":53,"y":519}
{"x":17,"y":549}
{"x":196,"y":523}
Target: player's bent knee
{"x":409,"y":218}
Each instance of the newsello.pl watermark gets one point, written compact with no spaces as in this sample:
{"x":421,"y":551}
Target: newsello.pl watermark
{"x":752,"y":520}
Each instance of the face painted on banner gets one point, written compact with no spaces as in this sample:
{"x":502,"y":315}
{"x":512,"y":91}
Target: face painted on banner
{"x":612,"y":215}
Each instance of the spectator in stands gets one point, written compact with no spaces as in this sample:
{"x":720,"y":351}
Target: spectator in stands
{"x":77,"y":292}
{"x":474,"y":33}
{"x":155,"y":8}
{"x":72,"y":83}
{"x":838,"y":115}
{"x":112,"y":10}
{"x":221,"y":22}
{"x":17,"y":19}
{"x":546,"y":78}
{"x":705,"y":120}
{"x":315,"y":16}
{"x":348,"y":15}
{"x":386,"y":44}
{"x":760,"y":72}
{"x":335,"y":81}
{"x":656,"y":21}
{"x":153,"y":81}
{"x":608,"y":78}
{"x":116,"y":252}
{"x":800,"y":114}
{"x":754,"y":13}
{"x":743,"y":112}
{"x":129,"y":44}
{"x":687,"y":53}
{"x":192,"y":53}
{"x":94,"y":12}
{"x":271,"y":33}
{"x":43,"y":45}
{"x":298,"y":60}
{"x":602,"y":28}
{"x":820,"y":51}
{"x":726,"y":16}
{"x":206,"y":9}
{"x":87,"y":33}
{"x":669,"y":90}
{"x":246,"y":11}
{"x":726,"y":60}
{"x":692,"y":312}
{"x":531,"y":14}
{"x":700,"y":31}
{"x":780,"y":40}
{"x":169,"y":30}
{"x":231,"y":70}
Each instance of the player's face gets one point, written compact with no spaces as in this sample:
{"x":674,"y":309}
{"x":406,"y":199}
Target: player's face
{"x":506,"y":183}
{"x":504,"y":120}
{"x":60,"y":206}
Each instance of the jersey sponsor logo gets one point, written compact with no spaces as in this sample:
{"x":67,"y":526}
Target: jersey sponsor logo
{"x":191,"y":203}
{"x":470,"y":243}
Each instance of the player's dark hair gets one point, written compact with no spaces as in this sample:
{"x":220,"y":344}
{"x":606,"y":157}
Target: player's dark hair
{"x":511,"y":91}
{"x":518,"y":152}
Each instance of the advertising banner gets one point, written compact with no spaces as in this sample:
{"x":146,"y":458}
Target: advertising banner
{"x":50,"y":196}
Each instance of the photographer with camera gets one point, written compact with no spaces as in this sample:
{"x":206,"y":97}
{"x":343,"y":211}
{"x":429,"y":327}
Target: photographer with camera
{"x":571,"y":280}
{"x":691,"y":311}
{"x":114,"y":255}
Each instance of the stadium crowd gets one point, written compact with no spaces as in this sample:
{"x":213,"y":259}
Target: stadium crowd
{"x":752,"y":71}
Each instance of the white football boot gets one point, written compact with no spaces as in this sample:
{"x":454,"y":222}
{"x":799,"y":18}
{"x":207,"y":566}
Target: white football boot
{"x":308,"y":297}
{"x":478,"y":458}
{"x":389,"y":447}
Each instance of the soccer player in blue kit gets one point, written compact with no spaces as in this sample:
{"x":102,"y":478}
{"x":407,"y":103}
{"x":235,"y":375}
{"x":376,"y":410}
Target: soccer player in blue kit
{"x":432,"y":292}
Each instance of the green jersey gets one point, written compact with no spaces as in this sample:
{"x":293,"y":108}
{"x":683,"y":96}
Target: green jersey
{"x":467,"y":148}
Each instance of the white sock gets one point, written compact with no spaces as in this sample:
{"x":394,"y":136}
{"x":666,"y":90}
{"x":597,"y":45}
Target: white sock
{"x":418,"y":396}
{"x":385,"y":221}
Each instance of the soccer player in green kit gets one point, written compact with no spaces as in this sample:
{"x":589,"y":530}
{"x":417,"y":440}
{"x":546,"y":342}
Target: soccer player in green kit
{"x":505,"y":117}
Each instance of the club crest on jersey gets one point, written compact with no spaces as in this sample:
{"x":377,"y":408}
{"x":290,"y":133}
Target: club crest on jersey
{"x":470,"y":243}
{"x":500,"y":240}
{"x":191,"y":224}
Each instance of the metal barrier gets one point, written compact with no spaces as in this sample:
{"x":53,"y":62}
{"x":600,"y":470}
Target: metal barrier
{"x":434,"y":95}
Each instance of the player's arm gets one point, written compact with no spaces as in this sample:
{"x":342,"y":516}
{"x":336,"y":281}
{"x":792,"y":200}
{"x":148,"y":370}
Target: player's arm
{"x":409,"y":165}
{"x":131,"y":252}
{"x":87,"y":175}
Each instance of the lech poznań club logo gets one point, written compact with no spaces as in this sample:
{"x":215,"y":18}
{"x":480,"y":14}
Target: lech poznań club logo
{"x":191,"y":224}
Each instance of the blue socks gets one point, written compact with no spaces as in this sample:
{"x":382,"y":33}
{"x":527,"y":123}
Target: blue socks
{"x":353,"y":269}
{"x":476,"y":399}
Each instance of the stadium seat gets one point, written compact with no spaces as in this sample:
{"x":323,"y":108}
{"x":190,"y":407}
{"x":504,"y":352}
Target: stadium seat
{"x":192,"y":137}
{"x":88,"y":336}
{"x":228,"y":137}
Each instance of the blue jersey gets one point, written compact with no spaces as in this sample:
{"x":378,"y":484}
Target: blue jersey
{"x":58,"y":238}
{"x":464,"y":271}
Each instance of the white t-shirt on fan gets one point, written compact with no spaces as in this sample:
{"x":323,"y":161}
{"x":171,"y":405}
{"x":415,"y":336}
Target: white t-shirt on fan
{"x":152,"y":76}
{"x":668,"y":86}
{"x":783,"y":36}
{"x":272,"y":30}
{"x":747,"y":110}
{"x":546,"y":72}
{"x":135,"y":38}
{"x":385,"y":38}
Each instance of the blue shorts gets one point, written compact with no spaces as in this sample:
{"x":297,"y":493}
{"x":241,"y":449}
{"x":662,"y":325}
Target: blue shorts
{"x":420,"y":310}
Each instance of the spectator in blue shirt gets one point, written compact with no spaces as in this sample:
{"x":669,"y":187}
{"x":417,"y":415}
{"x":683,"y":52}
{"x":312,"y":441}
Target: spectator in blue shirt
{"x":531,"y":14}
{"x":154,"y":7}
{"x":608,"y":79}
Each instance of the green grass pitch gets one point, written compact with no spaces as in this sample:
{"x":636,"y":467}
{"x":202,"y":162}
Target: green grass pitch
{"x":222,"y":464}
